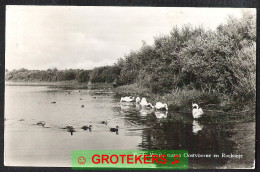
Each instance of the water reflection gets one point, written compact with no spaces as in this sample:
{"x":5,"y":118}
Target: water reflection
{"x":145,"y":111}
{"x":140,"y":128}
{"x":196,"y":127}
{"x":161,"y":114}
{"x":173,"y":131}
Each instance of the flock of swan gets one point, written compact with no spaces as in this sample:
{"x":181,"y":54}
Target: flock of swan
{"x":196,"y":111}
{"x":159,"y":106}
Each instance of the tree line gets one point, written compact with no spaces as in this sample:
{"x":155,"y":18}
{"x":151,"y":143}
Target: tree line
{"x":221,"y":61}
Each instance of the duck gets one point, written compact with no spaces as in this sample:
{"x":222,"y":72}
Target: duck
{"x":87,"y":127}
{"x":127,"y":99}
{"x":161,"y":106}
{"x":137,"y":100}
{"x":196,"y":111}
{"x":70,"y":129}
{"x":67,"y":127}
{"x":42,"y":123}
{"x":114,"y":129}
{"x":104,"y":122}
{"x":82,"y":106}
{"x":145,"y":103}
{"x":53,"y":102}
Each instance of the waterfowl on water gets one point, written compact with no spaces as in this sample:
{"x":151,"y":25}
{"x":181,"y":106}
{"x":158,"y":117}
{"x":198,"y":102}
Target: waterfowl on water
{"x":104,"y":122}
{"x":42,"y":123}
{"x":87,"y":127}
{"x":161,"y":106}
{"x":137,"y":100}
{"x":53,"y":102}
{"x":70,"y":129}
{"x":196,"y":111}
{"x":127,"y":99}
{"x":114,"y":129}
{"x":82,"y":106}
{"x":145,"y":103}
{"x":67,"y":127}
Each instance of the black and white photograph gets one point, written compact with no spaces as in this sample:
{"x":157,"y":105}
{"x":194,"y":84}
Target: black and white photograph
{"x":130,"y":78}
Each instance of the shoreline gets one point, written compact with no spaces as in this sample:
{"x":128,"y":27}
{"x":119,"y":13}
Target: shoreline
{"x":73,"y":84}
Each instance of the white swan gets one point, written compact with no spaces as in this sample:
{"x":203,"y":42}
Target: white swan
{"x":196,"y":127}
{"x":145,"y":103}
{"x":137,"y":100}
{"x":160,"y":114}
{"x":161,"y":106}
{"x":127,"y":99}
{"x":196,"y":111}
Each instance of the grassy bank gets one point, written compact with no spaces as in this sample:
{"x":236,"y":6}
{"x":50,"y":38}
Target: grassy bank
{"x":181,"y":99}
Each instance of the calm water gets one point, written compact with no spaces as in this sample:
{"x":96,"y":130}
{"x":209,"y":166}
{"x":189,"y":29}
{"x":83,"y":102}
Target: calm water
{"x":27,"y":144}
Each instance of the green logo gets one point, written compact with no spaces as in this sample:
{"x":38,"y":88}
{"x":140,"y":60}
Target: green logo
{"x":129,"y":159}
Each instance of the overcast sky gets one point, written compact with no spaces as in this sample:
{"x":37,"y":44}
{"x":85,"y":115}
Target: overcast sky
{"x":42,"y":37}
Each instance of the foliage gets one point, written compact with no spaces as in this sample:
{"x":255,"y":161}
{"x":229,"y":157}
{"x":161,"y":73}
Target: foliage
{"x":220,"y":62}
{"x":50,"y":75}
{"x":105,"y":74}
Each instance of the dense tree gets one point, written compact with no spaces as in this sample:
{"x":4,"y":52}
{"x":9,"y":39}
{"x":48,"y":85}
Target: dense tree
{"x":221,"y":61}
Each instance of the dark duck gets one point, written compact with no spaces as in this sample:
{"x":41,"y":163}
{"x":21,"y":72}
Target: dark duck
{"x":69,"y":129}
{"x":42,"y":123}
{"x":87,"y":127}
{"x":104,"y":122}
{"x":114,"y":129}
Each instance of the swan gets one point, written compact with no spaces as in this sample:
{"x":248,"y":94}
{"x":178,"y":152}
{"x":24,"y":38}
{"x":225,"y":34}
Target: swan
{"x":127,"y":99}
{"x":160,"y":115}
{"x":137,"y":100}
{"x":196,"y":111}
{"x":145,"y":103}
{"x":196,"y":127}
{"x":161,"y":106}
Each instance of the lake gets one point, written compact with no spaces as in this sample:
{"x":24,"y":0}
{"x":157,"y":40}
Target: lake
{"x":28,"y":144}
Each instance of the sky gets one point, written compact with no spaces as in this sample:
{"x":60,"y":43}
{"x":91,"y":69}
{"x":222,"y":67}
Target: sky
{"x":71,"y":37}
